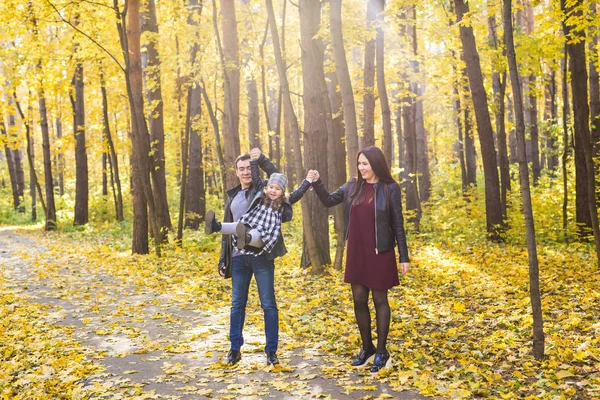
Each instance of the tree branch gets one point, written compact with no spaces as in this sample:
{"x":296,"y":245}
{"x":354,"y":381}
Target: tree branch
{"x":86,"y":35}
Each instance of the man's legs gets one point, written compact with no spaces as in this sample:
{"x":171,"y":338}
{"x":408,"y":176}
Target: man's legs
{"x":264,"y":273}
{"x":241,"y":274}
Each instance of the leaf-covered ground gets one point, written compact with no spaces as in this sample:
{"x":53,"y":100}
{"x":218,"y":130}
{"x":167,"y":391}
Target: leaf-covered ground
{"x":81,"y":317}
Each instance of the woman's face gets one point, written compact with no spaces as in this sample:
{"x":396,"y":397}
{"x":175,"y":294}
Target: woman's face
{"x":274,"y":191}
{"x":364,"y":167}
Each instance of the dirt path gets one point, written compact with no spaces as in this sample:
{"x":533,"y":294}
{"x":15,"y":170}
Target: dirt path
{"x":152,"y":346}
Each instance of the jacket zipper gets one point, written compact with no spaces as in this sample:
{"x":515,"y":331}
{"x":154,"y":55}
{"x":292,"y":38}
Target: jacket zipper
{"x":375,"y":207}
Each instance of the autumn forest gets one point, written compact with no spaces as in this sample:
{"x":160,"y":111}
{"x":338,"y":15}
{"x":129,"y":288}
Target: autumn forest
{"x":120,"y":121}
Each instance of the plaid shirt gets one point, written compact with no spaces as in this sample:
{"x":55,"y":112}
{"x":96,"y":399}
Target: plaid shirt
{"x":268,"y":224}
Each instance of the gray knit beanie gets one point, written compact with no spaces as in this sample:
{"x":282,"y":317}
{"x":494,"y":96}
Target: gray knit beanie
{"x":279,"y":179}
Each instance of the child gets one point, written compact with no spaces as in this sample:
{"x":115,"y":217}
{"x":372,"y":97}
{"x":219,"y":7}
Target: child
{"x":259,"y":228}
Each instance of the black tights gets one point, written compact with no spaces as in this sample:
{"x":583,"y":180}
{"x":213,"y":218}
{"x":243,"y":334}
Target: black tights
{"x":360,"y":295}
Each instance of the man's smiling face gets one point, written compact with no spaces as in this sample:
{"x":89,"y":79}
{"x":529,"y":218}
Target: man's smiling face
{"x":242,"y":170}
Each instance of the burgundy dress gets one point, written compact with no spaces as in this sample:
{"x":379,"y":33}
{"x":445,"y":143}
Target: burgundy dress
{"x":363,"y":265}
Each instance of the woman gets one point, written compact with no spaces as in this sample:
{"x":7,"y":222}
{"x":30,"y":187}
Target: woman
{"x":373,"y":225}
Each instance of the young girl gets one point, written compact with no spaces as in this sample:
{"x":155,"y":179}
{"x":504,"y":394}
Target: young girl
{"x":259,"y":229}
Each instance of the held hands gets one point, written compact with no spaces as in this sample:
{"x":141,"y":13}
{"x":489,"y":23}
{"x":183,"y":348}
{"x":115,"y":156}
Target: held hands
{"x":312,"y":175}
{"x":255,"y":154}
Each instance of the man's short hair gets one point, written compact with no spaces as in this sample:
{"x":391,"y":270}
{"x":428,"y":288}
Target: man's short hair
{"x":242,"y":157}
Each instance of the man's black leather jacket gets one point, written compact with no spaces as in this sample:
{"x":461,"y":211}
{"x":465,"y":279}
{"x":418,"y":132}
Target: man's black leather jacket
{"x":389,"y":223}
{"x":252,"y":195}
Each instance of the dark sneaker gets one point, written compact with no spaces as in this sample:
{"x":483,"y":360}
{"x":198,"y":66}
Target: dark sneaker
{"x":364,"y":357}
{"x":233,"y":357}
{"x":243,"y":237}
{"x":272,"y":358}
{"x":382,"y":360}
{"x":211,"y":224}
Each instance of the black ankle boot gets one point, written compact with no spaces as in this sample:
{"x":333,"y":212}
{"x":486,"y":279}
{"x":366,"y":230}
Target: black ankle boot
{"x":272,"y":358}
{"x":211,"y":224}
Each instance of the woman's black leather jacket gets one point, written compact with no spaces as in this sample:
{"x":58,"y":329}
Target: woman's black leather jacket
{"x":389,"y":222}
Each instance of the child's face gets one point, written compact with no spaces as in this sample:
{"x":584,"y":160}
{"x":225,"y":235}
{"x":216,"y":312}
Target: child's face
{"x":274,"y":191}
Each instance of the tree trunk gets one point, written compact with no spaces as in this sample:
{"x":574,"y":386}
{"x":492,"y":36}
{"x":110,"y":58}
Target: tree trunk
{"x":581,"y":113}
{"x":195,"y":206}
{"x":113,"y":159}
{"x":550,"y":116}
{"x":531,"y":112}
{"x":149,"y":27}
{"x":60,"y":164}
{"x":312,"y":248}
{"x":493,"y":205}
{"x":386,"y":117}
{"x":144,"y":173}
{"x":316,"y":105}
{"x":459,"y":147}
{"x":400,"y":138}
{"x":417,"y":88}
{"x":566,"y":142}
{"x":337,"y":162}
{"x":11,"y":166}
{"x":253,"y":117}
{"x":48,"y":181}
{"x":17,"y":162}
{"x":499,"y":86}
{"x":343,"y":75}
{"x":81,"y":164}
{"x":231,"y":72}
{"x":215,"y":123}
{"x":534,"y":279}
{"x":368,"y":138}
{"x":33,"y":179}
{"x":470,"y":154}
{"x":595,"y":87}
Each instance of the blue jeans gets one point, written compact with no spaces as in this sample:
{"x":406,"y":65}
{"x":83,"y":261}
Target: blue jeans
{"x":242,"y":269}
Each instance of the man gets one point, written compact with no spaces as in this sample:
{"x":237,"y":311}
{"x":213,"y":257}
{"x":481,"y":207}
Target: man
{"x":241,"y":267}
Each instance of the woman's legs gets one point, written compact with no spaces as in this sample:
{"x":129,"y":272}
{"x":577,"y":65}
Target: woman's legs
{"x":382,"y":317}
{"x":360,"y":295}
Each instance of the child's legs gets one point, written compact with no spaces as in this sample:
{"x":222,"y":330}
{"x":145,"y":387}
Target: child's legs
{"x":228,"y":228}
{"x":256,"y":240}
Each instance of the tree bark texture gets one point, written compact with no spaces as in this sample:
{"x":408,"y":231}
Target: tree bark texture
{"x":566,"y":142}
{"x":550,"y":117}
{"x":34,"y":183}
{"x":309,"y":234}
{"x":155,"y":109}
{"x":141,"y":139}
{"x":113,"y":159}
{"x":534,"y":279}
{"x":231,"y":71}
{"x":337,"y":162}
{"x":594,"y":87}
{"x":368,"y":137}
{"x":499,"y":86}
{"x":48,"y":181}
{"x":386,"y":117}
{"x":343,"y":75}
{"x":81,"y":163}
{"x":493,"y":207}
{"x":60,"y":159}
{"x":8,"y":152}
{"x":195,"y":206}
{"x":581,"y":112}
{"x":316,"y":104}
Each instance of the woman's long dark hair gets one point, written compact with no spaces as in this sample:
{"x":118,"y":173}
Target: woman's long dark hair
{"x":379,"y":167}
